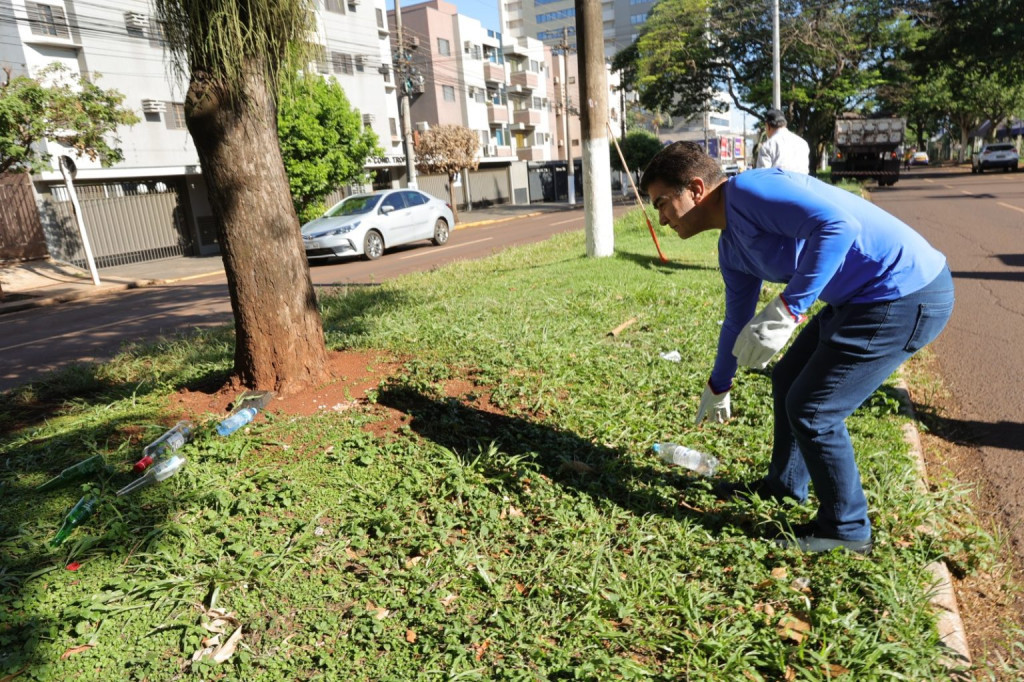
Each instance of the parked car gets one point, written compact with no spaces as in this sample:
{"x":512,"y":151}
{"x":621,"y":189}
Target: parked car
{"x":919,"y":159}
{"x":996,"y":155}
{"x":367,"y":224}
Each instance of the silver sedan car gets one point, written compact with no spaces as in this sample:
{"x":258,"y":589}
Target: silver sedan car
{"x":366,"y":224}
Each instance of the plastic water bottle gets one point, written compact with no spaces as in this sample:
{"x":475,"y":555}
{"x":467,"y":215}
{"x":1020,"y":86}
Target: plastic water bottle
{"x":161,"y":471}
{"x":682,"y":456}
{"x":172,"y":440}
{"x":236,"y":421}
{"x":78,"y":514}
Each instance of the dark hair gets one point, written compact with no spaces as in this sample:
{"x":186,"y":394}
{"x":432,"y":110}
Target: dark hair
{"x":775,"y":118}
{"x":679,"y":163}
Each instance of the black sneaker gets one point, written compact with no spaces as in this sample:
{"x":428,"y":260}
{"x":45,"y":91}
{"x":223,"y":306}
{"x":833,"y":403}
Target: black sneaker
{"x":807,"y":537}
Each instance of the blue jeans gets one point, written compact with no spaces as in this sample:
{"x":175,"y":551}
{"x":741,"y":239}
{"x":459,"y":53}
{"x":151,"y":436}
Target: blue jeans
{"x":836,"y":362}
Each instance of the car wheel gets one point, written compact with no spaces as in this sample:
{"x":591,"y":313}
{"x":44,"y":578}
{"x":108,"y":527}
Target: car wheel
{"x":981,"y":169}
{"x":440,"y":232}
{"x":373,"y":245}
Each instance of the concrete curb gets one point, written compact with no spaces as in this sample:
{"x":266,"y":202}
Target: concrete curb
{"x":491,"y":221}
{"x":951,"y":629}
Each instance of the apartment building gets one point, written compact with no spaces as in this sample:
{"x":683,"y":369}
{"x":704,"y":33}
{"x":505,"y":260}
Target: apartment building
{"x":154,"y":204}
{"x":546,"y":19}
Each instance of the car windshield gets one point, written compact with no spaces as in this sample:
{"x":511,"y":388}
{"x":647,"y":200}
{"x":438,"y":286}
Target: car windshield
{"x":354,"y":205}
{"x":999,"y":147}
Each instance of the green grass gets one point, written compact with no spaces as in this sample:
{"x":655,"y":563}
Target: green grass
{"x":472,"y":545}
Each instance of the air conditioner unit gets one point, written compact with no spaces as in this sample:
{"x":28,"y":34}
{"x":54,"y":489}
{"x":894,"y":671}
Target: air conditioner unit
{"x":414,"y":43}
{"x":383,"y":69}
{"x":136,"y":21}
{"x":517,"y":88}
{"x":556,"y":80}
{"x":153,"y":106}
{"x":422,"y":126}
{"x":368,"y":119}
{"x":492,"y":150}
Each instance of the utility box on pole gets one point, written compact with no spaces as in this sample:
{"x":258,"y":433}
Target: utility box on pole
{"x":597,"y":174}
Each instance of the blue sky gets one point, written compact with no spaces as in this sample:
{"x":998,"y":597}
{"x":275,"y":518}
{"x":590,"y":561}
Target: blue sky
{"x":484,"y":11}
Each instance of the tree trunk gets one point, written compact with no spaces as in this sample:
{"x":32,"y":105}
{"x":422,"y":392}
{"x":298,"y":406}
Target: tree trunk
{"x":279,"y":339}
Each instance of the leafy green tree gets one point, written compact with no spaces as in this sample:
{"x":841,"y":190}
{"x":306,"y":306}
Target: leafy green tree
{"x":638,"y":148}
{"x":63,"y":107}
{"x":323,"y":142}
{"x":447,"y":149}
{"x":231,"y":52}
{"x":831,"y":56}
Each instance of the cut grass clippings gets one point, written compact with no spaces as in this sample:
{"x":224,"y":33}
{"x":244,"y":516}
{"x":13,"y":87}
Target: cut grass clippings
{"x":535,"y":539}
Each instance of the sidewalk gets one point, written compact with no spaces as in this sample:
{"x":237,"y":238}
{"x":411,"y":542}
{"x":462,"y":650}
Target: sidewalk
{"x":38,"y":283}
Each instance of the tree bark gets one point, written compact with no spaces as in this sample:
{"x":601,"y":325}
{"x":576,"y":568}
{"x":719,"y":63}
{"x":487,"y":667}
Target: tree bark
{"x":279,"y":339}
{"x":451,"y":198}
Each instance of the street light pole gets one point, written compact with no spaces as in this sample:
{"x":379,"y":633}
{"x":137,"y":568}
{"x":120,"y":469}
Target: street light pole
{"x":776,"y":69}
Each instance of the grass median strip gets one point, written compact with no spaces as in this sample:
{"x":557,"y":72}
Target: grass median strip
{"x":488,"y":510}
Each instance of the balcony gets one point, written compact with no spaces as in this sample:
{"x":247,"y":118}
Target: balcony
{"x":494,"y":73}
{"x":535,"y":153}
{"x":526,"y":80}
{"x":497,"y":113}
{"x":527,"y":118}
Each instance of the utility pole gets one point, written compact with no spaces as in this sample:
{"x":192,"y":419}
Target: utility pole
{"x":405,"y":83}
{"x":593,"y":83}
{"x":776,"y":70}
{"x":571,"y":180}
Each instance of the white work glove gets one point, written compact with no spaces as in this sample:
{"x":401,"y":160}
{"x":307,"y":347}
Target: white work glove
{"x":766,"y":334}
{"x":714,"y":406}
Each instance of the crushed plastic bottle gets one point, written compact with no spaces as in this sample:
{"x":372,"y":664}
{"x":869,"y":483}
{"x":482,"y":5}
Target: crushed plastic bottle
{"x":236,"y":421}
{"x":688,"y":458}
{"x":82,"y":510}
{"x":76,"y":471}
{"x":161,"y":471}
{"x":171,"y":440}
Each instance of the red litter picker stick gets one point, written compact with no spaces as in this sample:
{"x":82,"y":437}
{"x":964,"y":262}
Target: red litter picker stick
{"x":636,"y":193}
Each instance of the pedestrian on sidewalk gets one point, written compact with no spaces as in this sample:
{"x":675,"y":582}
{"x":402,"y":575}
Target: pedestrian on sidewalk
{"x":888,"y":293}
{"x":783,"y":149}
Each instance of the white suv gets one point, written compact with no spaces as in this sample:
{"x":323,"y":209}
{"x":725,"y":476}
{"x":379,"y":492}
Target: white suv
{"x":996,"y":155}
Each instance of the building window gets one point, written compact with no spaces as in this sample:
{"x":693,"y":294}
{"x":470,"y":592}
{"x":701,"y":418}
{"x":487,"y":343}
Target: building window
{"x":638,"y":18}
{"x":444,"y":47}
{"x":393,"y":123}
{"x":572,"y":79}
{"x":47,"y":20}
{"x":342,"y":63}
{"x":448,"y":92}
{"x":175,"y":116}
{"x":336,"y":6}
{"x":380,"y":18}
{"x":556,"y":16}
{"x":359,"y":63}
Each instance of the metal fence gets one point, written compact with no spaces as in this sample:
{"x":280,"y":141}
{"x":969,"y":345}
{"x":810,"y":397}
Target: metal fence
{"x":21,"y":235}
{"x":127,"y":222}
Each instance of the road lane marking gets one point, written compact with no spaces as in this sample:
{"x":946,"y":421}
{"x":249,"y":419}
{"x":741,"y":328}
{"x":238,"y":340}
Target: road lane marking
{"x":963,"y":191}
{"x":563,"y":222}
{"x":1015,"y":208}
{"x":455,"y":246}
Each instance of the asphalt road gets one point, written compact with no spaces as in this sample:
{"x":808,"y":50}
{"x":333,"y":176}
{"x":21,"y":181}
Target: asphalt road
{"x":978,"y":222}
{"x":42,"y":339}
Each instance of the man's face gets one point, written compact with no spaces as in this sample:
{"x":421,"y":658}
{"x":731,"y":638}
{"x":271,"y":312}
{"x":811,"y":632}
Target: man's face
{"x":672,"y":206}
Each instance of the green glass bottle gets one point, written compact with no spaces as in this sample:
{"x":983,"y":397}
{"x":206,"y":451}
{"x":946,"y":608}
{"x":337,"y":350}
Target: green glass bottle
{"x":78,"y":514}
{"x":83,"y":468}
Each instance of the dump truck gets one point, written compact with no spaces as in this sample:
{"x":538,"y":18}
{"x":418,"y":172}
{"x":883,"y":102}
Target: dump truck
{"x":868,"y":148}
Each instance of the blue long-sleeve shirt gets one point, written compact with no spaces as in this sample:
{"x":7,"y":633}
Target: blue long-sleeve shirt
{"x":821,"y":241}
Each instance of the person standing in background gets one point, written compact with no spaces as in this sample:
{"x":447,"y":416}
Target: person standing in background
{"x":783,"y":149}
